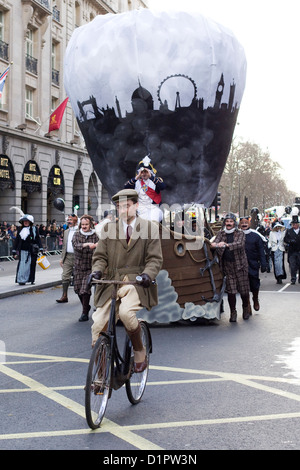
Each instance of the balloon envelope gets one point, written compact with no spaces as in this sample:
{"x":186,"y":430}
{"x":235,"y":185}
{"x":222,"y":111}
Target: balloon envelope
{"x":167,"y":85}
{"x":59,"y":204}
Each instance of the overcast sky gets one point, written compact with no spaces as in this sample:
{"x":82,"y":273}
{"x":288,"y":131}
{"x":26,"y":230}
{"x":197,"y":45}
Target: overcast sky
{"x":269,"y":32}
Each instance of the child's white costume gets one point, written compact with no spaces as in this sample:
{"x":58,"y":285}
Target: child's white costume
{"x":148,"y":191}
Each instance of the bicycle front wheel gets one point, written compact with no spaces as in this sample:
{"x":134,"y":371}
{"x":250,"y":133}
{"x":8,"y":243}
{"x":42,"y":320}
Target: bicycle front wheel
{"x":97,"y":389}
{"x":136,"y":384}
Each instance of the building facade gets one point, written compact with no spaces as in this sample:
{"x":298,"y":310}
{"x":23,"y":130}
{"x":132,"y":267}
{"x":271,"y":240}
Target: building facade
{"x":36,"y":166}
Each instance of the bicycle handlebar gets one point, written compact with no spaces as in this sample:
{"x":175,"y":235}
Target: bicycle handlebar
{"x":137,"y":281}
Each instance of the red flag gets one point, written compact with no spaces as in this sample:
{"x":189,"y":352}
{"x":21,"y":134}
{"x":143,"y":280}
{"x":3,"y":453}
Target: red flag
{"x":57,"y":115}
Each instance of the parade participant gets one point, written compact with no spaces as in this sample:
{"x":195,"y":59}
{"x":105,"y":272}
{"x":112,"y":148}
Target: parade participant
{"x":230,"y":245}
{"x":256,"y":257}
{"x":67,"y":256}
{"x":27,"y":245}
{"x":292,"y":239}
{"x":148,"y":186}
{"x":84,"y":243}
{"x":276,"y":244}
{"x":124,"y":257}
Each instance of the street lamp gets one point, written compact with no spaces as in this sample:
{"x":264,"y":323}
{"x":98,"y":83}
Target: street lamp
{"x":239,"y":174}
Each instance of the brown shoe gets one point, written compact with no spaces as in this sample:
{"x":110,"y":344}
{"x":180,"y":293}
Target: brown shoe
{"x":62,"y":300}
{"x":140,"y":366}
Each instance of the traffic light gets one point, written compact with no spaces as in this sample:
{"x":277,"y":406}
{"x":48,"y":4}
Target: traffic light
{"x":76,"y":202}
{"x":217,"y":200}
{"x":216,"y":203}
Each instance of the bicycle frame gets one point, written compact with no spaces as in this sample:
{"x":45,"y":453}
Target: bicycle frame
{"x":121,"y":367}
{"x":109,"y":370}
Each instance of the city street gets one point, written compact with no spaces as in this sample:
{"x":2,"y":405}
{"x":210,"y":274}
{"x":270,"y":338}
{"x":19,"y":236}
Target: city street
{"x":217,"y":386}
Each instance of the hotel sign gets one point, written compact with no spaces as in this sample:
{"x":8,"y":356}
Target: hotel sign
{"x":56,"y":182}
{"x":7,"y":175}
{"x":32,"y":178}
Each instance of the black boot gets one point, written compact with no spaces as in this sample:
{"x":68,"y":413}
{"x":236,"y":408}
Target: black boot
{"x":255,"y":300}
{"x":246,"y":306}
{"x":233,"y":316}
{"x":85,"y":300}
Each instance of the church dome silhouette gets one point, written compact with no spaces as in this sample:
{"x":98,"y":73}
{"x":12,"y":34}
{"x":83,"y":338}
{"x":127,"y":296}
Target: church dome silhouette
{"x":142,"y":94}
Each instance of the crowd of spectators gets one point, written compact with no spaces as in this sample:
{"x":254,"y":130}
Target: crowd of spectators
{"x":51,"y":235}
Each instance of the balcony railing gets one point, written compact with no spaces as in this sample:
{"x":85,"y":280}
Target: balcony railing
{"x":55,"y":77}
{"x":56,"y":14}
{"x":31,"y":64}
{"x":45,"y":3}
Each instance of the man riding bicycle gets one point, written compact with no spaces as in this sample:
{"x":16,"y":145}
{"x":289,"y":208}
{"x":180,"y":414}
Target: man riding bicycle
{"x":127,"y":248}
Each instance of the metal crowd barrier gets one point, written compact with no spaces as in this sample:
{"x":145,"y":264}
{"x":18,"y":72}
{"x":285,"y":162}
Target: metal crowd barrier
{"x":50,"y":248}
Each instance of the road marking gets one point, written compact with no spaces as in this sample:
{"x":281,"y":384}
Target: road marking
{"x":137,"y":441}
{"x":120,"y":431}
{"x":280,"y":291}
{"x":128,"y":433}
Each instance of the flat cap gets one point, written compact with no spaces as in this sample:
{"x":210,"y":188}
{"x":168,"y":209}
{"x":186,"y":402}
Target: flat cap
{"x":125,"y":193}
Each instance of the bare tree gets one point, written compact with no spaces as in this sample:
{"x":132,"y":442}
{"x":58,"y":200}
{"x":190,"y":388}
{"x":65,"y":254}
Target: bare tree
{"x":251,"y":173}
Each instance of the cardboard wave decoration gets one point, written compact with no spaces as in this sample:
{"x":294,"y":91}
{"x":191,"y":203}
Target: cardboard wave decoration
{"x":167,"y":85}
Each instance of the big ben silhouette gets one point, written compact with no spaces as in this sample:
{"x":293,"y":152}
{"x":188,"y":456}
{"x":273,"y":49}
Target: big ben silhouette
{"x":219,"y":92}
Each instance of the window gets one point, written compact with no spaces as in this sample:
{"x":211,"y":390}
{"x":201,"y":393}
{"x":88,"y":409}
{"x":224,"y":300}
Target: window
{"x":3,"y":44}
{"x":31,"y":62}
{"x":29,"y":103}
{"x":55,"y":72}
{"x":1,"y":26}
{"x":29,"y":43}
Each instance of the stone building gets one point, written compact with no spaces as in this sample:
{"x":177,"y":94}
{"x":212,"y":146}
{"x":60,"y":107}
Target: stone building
{"x":36,"y":166}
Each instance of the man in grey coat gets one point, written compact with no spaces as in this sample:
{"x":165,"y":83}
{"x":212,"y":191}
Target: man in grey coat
{"x":123,"y":258}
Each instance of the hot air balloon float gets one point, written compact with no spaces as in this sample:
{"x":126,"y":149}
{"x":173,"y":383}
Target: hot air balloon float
{"x":166,"y":86}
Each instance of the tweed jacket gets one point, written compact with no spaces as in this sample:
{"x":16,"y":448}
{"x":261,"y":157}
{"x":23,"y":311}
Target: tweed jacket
{"x":83,"y":260}
{"x":116,"y":259}
{"x":238,"y":248}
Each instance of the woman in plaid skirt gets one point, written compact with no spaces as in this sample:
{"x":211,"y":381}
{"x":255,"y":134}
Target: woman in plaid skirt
{"x":84,"y":242}
{"x":230,"y":246}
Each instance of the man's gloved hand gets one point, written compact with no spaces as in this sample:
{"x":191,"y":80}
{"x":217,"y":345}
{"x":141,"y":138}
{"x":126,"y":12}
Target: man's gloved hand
{"x":263,"y":269}
{"x":95,"y":275}
{"x":146,"y":281}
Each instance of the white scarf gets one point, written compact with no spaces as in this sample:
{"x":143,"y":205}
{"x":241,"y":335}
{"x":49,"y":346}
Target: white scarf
{"x":24,"y":233}
{"x":229,"y":231}
{"x":86,"y":234}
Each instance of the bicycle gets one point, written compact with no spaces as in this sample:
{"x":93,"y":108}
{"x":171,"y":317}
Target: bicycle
{"x":109,"y":370}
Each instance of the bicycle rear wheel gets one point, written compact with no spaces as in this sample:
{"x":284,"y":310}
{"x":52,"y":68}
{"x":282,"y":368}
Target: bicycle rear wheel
{"x":97,"y":389}
{"x":136,"y":384}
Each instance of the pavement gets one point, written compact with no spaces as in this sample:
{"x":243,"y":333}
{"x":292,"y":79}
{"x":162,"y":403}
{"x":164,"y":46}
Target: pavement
{"x":43,"y":278}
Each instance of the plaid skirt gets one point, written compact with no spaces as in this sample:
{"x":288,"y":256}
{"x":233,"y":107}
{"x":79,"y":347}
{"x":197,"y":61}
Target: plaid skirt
{"x":237,"y":279}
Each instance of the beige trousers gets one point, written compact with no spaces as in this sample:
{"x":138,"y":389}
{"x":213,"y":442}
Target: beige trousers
{"x":127,"y":305}
{"x":68,"y":267}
